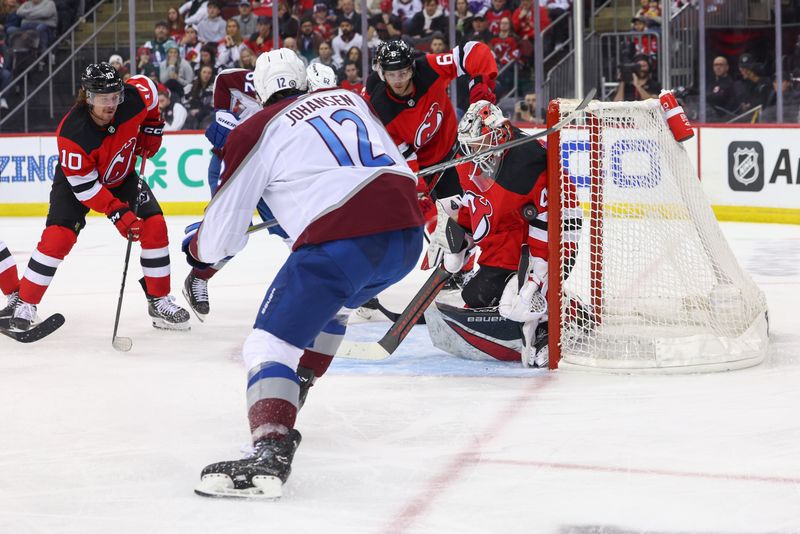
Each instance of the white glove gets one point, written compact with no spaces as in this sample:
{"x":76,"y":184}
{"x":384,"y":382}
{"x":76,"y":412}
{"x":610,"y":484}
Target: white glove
{"x":526,"y":303}
{"x":449,"y":242}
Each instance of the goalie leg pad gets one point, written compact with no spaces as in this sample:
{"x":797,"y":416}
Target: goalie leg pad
{"x":475,"y":334}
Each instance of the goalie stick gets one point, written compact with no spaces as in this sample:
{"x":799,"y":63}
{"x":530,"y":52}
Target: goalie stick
{"x":433,"y":169}
{"x":36,"y":332}
{"x":380,"y":350}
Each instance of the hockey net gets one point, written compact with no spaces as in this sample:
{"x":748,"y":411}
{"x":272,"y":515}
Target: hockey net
{"x":645,"y":279}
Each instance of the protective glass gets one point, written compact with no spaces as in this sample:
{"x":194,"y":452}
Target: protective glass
{"x":398,"y":76}
{"x":105,"y":99}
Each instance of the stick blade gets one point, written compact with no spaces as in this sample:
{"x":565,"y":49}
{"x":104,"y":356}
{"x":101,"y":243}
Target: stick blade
{"x":122,"y":344}
{"x":362,"y":350}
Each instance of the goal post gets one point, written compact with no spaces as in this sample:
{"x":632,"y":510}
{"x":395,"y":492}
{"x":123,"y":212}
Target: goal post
{"x":641,"y":277}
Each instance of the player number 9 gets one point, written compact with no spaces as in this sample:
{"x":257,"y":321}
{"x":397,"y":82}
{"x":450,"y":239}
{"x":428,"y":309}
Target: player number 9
{"x":444,"y":59}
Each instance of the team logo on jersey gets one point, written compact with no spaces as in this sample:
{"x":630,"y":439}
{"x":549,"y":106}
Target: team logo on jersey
{"x":480,"y":212}
{"x":430,"y":125}
{"x":745,"y":166}
{"x":120,"y":164}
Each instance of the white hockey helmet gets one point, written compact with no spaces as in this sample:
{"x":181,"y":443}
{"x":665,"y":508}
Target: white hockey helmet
{"x":320,"y":77}
{"x":483,"y":126}
{"x":277,"y":70}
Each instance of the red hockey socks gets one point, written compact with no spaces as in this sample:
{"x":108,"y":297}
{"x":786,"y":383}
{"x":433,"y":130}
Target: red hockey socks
{"x":9,"y":279}
{"x":55,"y":244}
{"x":155,"y":256}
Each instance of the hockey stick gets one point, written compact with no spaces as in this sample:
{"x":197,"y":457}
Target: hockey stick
{"x":511,"y":144}
{"x":120,"y":343}
{"x":380,"y":350}
{"x":262,"y":226}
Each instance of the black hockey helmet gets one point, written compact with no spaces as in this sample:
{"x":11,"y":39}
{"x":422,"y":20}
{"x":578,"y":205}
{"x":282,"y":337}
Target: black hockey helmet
{"x":394,"y":55}
{"x":101,"y":78}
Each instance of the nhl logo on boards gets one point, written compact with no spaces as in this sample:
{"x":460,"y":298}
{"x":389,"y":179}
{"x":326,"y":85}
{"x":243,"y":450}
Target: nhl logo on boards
{"x":746,"y":166}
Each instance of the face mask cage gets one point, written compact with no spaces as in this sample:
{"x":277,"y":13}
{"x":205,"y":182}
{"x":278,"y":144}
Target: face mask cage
{"x":105,"y":99}
{"x":473,"y":144}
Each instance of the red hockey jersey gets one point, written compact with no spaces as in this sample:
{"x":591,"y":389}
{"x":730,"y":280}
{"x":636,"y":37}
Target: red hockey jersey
{"x":94,"y":159}
{"x":495,"y":216}
{"x":424,"y":124}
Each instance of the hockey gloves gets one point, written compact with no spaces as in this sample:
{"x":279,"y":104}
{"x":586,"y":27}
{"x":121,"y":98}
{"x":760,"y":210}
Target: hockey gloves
{"x":525,"y":303}
{"x":482,"y":90}
{"x":189,"y":244}
{"x":449,"y":242}
{"x":149,"y":139}
{"x":127,"y":223}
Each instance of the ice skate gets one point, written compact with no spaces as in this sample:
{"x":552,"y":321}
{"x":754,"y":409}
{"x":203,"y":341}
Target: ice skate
{"x":259,"y":477}
{"x":196,"y":292}
{"x":8,"y":311}
{"x":369,"y":312}
{"x":166,"y":314}
{"x":24,"y":316}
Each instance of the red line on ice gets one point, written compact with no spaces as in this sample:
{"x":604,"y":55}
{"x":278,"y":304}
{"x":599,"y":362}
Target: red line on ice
{"x":470,"y":455}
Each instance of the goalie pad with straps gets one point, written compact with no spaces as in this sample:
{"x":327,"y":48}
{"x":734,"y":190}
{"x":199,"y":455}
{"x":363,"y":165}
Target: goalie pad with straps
{"x":474,"y":333}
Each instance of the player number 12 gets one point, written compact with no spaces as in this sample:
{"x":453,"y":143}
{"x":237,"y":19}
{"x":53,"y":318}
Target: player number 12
{"x":336,"y":146}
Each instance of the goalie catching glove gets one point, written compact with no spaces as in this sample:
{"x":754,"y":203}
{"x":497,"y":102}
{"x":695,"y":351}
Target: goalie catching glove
{"x":525,"y":303}
{"x":449,"y":242}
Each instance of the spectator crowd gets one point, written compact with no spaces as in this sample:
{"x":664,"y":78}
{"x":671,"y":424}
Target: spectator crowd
{"x":198,"y":39}
{"x":34,"y":25}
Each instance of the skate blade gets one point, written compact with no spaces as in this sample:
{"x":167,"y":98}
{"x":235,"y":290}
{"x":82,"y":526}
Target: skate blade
{"x":161,"y":324}
{"x":266,"y":488}
{"x":200,"y":316}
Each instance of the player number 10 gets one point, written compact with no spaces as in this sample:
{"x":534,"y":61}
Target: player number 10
{"x":71,"y":160}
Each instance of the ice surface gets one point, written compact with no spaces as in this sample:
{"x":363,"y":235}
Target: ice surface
{"x":96,"y":441}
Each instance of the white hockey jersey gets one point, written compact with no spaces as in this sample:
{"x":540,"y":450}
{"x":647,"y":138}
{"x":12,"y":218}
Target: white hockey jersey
{"x":325,"y":166}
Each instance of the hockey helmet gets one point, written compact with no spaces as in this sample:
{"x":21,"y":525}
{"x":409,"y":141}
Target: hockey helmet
{"x":320,"y":77}
{"x":102,"y":79}
{"x":483,"y":126}
{"x":278,"y":70}
{"x":393,"y":56}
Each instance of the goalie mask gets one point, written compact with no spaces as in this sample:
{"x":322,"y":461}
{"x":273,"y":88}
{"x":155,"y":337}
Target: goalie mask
{"x":483,"y":126}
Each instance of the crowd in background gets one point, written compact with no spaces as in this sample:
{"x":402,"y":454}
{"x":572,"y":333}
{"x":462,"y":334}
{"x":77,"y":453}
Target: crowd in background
{"x":198,"y":38}
{"x":36,"y":24}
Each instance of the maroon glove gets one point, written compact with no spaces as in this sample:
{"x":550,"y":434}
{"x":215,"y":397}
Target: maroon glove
{"x":481,"y":90}
{"x":127,"y":223}
{"x":149,"y":139}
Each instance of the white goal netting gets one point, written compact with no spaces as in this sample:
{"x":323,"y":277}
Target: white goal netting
{"x":654,"y":284}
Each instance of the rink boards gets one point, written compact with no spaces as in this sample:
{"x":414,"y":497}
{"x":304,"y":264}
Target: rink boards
{"x":749,"y":173}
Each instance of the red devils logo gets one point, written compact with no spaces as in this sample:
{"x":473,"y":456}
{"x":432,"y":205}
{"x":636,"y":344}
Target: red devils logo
{"x":120,"y":164}
{"x":429,"y":126}
{"x":480,"y":212}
